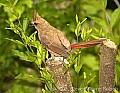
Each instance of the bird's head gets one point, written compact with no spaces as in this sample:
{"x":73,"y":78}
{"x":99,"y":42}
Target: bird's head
{"x":38,"y":21}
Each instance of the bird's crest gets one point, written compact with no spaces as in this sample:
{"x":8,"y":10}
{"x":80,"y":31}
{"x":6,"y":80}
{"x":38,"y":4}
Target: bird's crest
{"x":35,"y":15}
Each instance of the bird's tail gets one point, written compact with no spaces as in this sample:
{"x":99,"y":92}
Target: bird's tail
{"x":86,"y":44}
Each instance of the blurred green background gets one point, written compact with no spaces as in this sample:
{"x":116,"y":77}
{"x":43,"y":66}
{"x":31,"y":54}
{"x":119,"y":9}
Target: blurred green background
{"x":103,"y":21}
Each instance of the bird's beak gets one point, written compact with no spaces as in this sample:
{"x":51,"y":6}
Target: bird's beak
{"x":31,"y":24}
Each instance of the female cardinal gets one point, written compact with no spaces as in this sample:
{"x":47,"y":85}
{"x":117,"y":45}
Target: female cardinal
{"x":54,"y":40}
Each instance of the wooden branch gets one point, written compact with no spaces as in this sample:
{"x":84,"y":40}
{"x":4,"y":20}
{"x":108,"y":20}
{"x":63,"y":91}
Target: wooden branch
{"x":107,"y":67}
{"x":62,"y":79}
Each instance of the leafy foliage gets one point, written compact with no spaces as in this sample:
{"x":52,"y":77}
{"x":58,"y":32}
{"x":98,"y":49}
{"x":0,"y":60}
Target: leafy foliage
{"x":23,"y":60}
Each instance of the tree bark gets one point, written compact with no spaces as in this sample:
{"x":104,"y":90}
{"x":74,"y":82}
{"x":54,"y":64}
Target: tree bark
{"x":62,"y":79}
{"x":107,"y":67}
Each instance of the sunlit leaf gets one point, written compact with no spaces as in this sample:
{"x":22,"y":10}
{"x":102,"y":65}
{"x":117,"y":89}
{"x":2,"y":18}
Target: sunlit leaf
{"x":89,"y":31}
{"x":77,"y":30}
{"x":84,"y":75}
{"x":14,"y":29}
{"x":77,"y":20}
{"x":90,"y":9}
{"x":33,"y":36}
{"x":78,"y":68}
{"x":115,"y":17}
{"x":15,"y":2}
{"x":16,"y":13}
{"x":25,"y":24}
{"x":35,"y":44}
{"x":47,"y":54}
{"x":104,"y":4}
{"x":83,"y":21}
{"x":83,"y":34}
{"x":92,"y":77}
{"x":41,"y":53}
{"x":23,"y":56}
{"x":100,"y":21}
{"x":25,"y":76}
{"x":15,"y":41}
{"x":95,"y":37}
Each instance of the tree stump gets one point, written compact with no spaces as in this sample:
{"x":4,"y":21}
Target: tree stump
{"x":63,"y":80}
{"x":107,"y":67}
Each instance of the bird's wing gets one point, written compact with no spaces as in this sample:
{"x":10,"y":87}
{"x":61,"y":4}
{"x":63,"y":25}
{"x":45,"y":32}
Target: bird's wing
{"x":52,"y":42}
{"x":63,"y":39}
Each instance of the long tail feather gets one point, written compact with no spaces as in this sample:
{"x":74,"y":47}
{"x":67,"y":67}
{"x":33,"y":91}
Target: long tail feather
{"x":87,"y":44}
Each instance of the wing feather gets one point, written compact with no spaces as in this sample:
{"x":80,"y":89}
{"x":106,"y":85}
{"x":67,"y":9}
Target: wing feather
{"x":52,"y":42}
{"x":63,"y":39}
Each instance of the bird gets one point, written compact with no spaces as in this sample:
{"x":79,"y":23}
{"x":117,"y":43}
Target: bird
{"x":54,"y":40}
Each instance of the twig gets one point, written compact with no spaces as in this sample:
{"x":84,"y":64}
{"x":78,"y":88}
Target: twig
{"x":117,"y":3}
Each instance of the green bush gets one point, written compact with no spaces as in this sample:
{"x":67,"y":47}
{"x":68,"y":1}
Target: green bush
{"x":23,"y":60}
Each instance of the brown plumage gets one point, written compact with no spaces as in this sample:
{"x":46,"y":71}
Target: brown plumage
{"x":54,"y":40}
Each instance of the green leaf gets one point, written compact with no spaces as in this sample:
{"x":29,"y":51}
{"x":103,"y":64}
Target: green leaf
{"x":95,"y":37}
{"x":29,"y":53}
{"x":23,"y":86}
{"x":14,"y":29}
{"x":20,"y":54}
{"x":88,"y":34}
{"x":31,"y":40}
{"x":83,"y":21}
{"x":76,"y":17}
{"x":115,"y":17}
{"x":84,"y":75}
{"x":77,"y":68}
{"x":116,"y":90}
{"x":24,"y":37}
{"x":99,"y":4}
{"x":92,"y":77}
{"x":90,"y":9}
{"x":16,"y":13}
{"x":33,"y":36}
{"x":23,"y":56}
{"x":40,"y":54}
{"x":28,"y":77}
{"x":28,"y":3}
{"x":83,"y":34}
{"x":47,"y":55}
{"x":77,"y":30}
{"x":35,"y":44}
{"x":99,"y":21}
{"x":78,"y":64}
{"x":25,"y":82}
{"x":15,"y":41}
{"x":17,"y":8}
{"x":104,"y":4}
{"x":89,"y":31}
{"x":15,"y":2}
{"x":25,"y":24}
{"x":91,"y":62}
{"x":43,"y":91}
{"x":87,"y":79}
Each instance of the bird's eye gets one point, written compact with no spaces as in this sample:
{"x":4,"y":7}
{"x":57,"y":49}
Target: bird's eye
{"x":35,"y":24}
